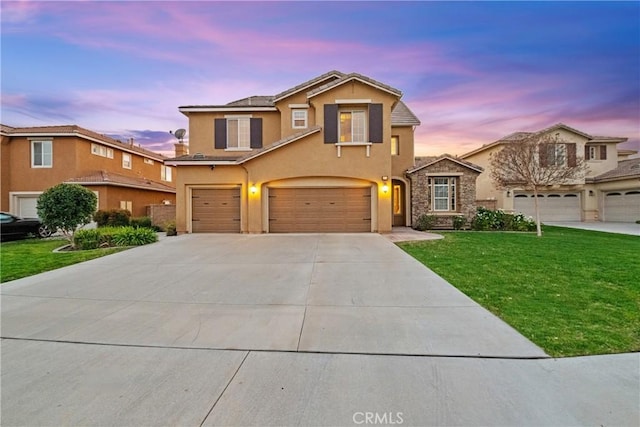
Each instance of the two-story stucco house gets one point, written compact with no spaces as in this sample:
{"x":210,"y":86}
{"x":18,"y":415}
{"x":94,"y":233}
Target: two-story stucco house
{"x":609,"y":190}
{"x":122,"y":175}
{"x":328,"y":155}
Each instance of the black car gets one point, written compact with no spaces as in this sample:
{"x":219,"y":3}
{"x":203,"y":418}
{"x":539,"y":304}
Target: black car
{"x":13,"y":227}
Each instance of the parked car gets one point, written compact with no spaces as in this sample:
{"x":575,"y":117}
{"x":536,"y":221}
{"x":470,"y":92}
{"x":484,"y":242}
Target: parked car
{"x":13,"y":227}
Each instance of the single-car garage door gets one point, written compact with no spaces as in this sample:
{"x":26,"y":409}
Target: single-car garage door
{"x":319,"y":210}
{"x":622,"y":206}
{"x":553,"y":206}
{"x":215,"y":210}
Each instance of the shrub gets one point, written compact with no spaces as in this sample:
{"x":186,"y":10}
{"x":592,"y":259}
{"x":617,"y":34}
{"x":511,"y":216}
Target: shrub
{"x":129,"y":236}
{"x":170,"y":227}
{"x":141,"y":222}
{"x":425,"y":222}
{"x":65,"y":207}
{"x":459,"y":222}
{"x":113,"y":218}
{"x":486,"y":220}
{"x":87,"y":239}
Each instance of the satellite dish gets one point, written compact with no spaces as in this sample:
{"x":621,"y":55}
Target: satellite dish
{"x":179,"y":134}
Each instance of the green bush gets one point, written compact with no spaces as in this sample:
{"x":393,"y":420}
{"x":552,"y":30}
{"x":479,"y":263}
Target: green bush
{"x":170,"y":227}
{"x":459,"y":222}
{"x":425,"y":222}
{"x":129,"y":236}
{"x":141,"y":222}
{"x":65,"y":207}
{"x":87,"y":239}
{"x":488,"y":220}
{"x":112,"y":218}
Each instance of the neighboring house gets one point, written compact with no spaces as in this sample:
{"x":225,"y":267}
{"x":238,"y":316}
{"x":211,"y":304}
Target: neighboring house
{"x":444,"y":187}
{"x":609,"y":191}
{"x":328,"y":155}
{"x":122,"y":175}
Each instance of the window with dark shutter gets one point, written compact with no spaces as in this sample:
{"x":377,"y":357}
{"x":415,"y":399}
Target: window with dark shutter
{"x":603,"y":152}
{"x":375,"y":123}
{"x":256,"y":133}
{"x":330,"y":123}
{"x":571,"y":155}
{"x":220,"y":134}
{"x":543,"y":155}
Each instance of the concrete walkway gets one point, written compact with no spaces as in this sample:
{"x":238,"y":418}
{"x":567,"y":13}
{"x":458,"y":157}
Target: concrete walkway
{"x":282,"y":330}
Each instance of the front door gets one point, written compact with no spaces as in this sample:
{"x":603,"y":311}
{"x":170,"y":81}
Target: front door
{"x":398,"y":203}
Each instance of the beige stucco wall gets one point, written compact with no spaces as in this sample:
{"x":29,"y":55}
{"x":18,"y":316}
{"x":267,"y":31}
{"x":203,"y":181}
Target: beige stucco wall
{"x":406,"y":157}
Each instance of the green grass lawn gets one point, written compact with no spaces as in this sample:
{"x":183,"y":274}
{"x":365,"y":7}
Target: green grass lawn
{"x":572,"y":292}
{"x":28,"y":257}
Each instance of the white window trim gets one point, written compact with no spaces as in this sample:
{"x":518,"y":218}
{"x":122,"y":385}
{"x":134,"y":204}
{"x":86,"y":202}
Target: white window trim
{"x":148,"y":161}
{"x":101,"y":150}
{"x":293,"y":118}
{"x":163,"y":173}
{"x":298,"y":106}
{"x":42,"y":141}
{"x":452,"y":202}
{"x":353,"y":101}
{"x":130,"y":160}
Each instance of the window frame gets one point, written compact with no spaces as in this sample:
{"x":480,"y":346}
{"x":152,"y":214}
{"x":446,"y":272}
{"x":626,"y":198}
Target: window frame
{"x":244,"y":132}
{"x":361,"y":112}
{"x":163,"y":173}
{"x":304,"y":118}
{"x":395,"y":145}
{"x":43,"y":143}
{"x":557,"y":155}
{"x":101,"y":150}
{"x":451,"y":197}
{"x":127,"y":164}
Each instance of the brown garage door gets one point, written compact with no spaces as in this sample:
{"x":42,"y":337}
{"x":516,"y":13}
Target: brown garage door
{"x":215,"y":210}
{"x":319,"y":210}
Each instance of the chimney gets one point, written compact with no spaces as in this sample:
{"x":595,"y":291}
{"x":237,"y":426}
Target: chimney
{"x":181,"y":149}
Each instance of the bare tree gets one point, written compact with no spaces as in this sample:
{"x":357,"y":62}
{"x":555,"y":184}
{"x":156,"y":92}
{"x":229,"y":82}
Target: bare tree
{"x":535,"y":162}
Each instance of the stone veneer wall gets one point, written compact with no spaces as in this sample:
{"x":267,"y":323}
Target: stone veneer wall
{"x":465,"y":189}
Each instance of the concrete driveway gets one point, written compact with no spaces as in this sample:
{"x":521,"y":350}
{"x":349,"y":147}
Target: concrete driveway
{"x":605,"y":227}
{"x":281,"y":330}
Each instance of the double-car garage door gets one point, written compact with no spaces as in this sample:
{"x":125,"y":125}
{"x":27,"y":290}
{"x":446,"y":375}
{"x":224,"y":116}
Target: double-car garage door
{"x":622,"y":206}
{"x":553,"y":206}
{"x":291,"y":210}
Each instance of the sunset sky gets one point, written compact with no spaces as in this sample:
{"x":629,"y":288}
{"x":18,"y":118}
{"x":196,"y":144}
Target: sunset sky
{"x":471,"y":71}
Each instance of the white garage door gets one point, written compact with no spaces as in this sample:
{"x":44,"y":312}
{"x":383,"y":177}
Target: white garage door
{"x":553,"y":206}
{"x":622,"y":206}
{"x":27,"y":206}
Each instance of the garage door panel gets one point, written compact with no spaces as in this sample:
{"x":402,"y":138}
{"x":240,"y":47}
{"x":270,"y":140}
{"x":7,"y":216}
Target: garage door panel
{"x":216,"y":210}
{"x":319,"y":210}
{"x":553,"y":206}
{"x":622,"y":206}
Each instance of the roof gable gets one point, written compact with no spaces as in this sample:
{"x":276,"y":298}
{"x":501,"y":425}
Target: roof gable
{"x":431,"y":161}
{"x":358,"y":77}
{"x":403,"y":116}
{"x":331,"y":75}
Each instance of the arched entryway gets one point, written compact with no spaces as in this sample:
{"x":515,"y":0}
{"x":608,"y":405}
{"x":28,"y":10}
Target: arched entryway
{"x":398,"y":203}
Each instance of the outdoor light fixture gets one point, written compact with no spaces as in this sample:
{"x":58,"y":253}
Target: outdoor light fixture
{"x":253,"y":189}
{"x":385,"y":188}
{"x":591,"y":192}
{"x":385,"y":178}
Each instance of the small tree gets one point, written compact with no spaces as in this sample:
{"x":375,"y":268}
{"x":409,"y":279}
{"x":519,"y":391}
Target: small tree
{"x":66,"y":207}
{"x":535,"y":162}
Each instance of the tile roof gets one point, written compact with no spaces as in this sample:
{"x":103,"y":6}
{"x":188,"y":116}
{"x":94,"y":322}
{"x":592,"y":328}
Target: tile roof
{"x":204,"y":158}
{"x":103,"y":177}
{"x":428,"y":161}
{"x":403,"y":116}
{"x":74,"y":130}
{"x":253,"y":101}
{"x":277,"y":144}
{"x":629,"y":168}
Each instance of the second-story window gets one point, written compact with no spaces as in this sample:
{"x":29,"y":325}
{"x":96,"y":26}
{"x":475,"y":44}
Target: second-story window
{"x":238,"y":132}
{"x":102,"y":151}
{"x":395,"y":145}
{"x":41,"y":154}
{"x":353,"y":126}
{"x":596,"y":152}
{"x":165,"y":173}
{"x":299,"y":119}
{"x":126,"y":160}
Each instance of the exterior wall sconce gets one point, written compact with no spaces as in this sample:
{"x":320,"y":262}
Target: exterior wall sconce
{"x":508,"y":193}
{"x":385,"y":187}
{"x":253,"y":189}
{"x":591,"y":192}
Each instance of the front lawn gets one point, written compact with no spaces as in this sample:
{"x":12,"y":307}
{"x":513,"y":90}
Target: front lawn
{"x":28,"y":257}
{"x":572,"y":292}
